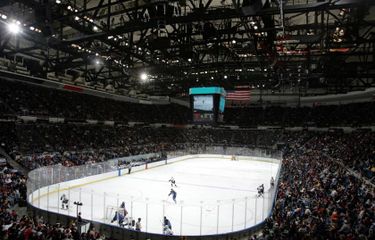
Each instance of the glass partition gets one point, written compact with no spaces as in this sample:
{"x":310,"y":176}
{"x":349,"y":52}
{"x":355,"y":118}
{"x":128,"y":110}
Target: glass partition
{"x":47,"y":185}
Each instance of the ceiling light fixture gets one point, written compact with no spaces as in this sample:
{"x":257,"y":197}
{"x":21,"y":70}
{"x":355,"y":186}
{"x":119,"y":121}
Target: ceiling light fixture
{"x":144,"y":76}
{"x":14,"y":28}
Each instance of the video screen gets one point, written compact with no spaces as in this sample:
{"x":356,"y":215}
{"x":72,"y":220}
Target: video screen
{"x":204,"y":103}
{"x":222,"y":104}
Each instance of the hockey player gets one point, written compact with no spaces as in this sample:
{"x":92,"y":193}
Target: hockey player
{"x":174,"y":194}
{"x":173,"y":182}
{"x":167,"y":227}
{"x":64,"y":201}
{"x":272,"y":182}
{"x":260,"y":190}
{"x":123,"y":209}
{"x":119,"y":217}
{"x":138,"y":225}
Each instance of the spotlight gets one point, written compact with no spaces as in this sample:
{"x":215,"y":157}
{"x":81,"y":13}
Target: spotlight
{"x":4,"y":16}
{"x":14,"y":28}
{"x":95,"y":28}
{"x":341,"y":32}
{"x":98,"y":61}
{"x":225,"y":76}
{"x":144,"y":76}
{"x":342,"y":12}
{"x":234,"y":41}
{"x":58,"y":1}
{"x":189,"y":59}
{"x":76,"y":18}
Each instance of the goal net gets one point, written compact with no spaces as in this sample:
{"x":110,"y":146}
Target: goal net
{"x":233,"y":158}
{"x":111,"y":213}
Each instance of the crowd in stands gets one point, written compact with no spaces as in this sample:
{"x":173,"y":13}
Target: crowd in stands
{"x":354,"y":114}
{"x":36,"y":145}
{"x":318,"y":198}
{"x":14,"y":227}
{"x":24,"y":99}
{"x":18,"y":98}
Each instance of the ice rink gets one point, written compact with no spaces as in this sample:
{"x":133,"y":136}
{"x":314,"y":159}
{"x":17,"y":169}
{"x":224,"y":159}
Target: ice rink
{"x":214,"y":195}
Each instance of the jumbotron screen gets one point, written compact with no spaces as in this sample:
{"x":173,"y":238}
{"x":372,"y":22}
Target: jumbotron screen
{"x":203,"y":106}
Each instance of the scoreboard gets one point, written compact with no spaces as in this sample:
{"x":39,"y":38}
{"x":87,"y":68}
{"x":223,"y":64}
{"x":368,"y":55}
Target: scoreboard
{"x":208,"y":104}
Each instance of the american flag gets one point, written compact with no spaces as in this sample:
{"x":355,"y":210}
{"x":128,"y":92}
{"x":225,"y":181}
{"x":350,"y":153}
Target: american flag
{"x":238,"y":95}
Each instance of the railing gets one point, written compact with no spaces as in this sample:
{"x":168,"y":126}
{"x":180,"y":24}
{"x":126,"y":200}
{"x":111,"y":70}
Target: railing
{"x":210,"y":217}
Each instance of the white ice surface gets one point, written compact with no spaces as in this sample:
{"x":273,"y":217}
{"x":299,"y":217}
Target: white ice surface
{"x":213,"y":196}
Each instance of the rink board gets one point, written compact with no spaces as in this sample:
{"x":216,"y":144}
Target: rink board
{"x":215,"y":195}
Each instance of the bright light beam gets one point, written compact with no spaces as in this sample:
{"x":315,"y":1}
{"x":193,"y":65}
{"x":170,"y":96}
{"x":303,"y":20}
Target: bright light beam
{"x":144,"y":76}
{"x":14,"y":28}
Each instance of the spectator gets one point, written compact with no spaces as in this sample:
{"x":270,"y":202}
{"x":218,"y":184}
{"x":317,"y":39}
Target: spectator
{"x":138,"y":226}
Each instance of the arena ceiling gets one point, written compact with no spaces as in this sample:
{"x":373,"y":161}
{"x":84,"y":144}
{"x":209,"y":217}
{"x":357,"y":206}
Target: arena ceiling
{"x":165,"y":47}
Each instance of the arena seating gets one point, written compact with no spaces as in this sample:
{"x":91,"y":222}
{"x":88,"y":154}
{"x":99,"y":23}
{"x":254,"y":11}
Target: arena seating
{"x":25,"y":99}
{"x":354,"y":114}
{"x":13,"y":194}
{"x":318,"y":198}
{"x":35,"y":145}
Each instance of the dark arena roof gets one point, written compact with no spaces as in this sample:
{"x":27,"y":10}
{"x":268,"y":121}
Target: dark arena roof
{"x":164,"y":47}
{"x":271,"y":101}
